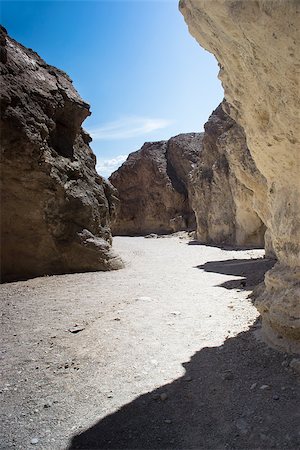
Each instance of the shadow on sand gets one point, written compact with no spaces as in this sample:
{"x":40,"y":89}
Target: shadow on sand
{"x":252,"y":271}
{"x":241,"y":395}
{"x":225,"y":246}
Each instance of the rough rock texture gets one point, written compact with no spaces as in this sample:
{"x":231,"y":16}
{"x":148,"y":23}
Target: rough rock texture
{"x":55,"y":209}
{"x":153,"y":187}
{"x":257,"y":46}
{"x":222,"y":186}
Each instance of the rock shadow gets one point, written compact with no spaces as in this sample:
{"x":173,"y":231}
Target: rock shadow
{"x":225,"y":246}
{"x":240,"y":395}
{"x":252,"y":271}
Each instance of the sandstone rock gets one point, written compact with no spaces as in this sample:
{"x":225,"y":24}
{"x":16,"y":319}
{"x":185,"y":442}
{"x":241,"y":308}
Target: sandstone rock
{"x":55,"y":208}
{"x":153,"y":187}
{"x":223,"y":184}
{"x":257,"y":47}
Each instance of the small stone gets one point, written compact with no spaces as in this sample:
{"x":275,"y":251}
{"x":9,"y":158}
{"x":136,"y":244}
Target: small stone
{"x":144,"y":299}
{"x":228,"y":376}
{"x":168,"y":421}
{"x":253,"y":386}
{"x":264,"y":387}
{"x":47,"y":405}
{"x":175,"y":313}
{"x":75,"y":329}
{"x":295,"y":364}
{"x":34,"y":441}
{"x":188,"y":378}
{"x":163,"y":396}
{"x":275,"y":397}
{"x":110,"y":396}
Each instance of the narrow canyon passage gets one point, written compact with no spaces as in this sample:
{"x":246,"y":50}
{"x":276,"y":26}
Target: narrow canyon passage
{"x":169,"y":340}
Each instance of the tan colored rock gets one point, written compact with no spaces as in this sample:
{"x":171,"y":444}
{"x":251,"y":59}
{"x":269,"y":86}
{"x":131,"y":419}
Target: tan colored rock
{"x":222,"y":186}
{"x":55,"y":208}
{"x":153,"y":187}
{"x":257,"y":46}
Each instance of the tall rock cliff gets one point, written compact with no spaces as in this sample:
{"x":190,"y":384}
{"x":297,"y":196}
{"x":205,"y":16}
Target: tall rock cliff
{"x":55,"y":208}
{"x":153,"y":187}
{"x":257,"y":46}
{"x":222,"y":186}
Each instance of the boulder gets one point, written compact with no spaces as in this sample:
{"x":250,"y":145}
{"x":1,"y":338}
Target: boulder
{"x":153,"y":187}
{"x":257,"y":46}
{"x":55,"y":208}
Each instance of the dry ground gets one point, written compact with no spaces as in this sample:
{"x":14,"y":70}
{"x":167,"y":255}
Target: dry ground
{"x":167,"y":356}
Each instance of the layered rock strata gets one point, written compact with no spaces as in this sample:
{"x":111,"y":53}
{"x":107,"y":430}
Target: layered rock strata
{"x":153,"y":187}
{"x":55,"y":208}
{"x":223,"y":184}
{"x":257,"y":46}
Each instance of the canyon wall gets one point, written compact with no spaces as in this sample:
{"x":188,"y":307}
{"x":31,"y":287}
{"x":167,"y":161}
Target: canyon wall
{"x":153,"y":187}
{"x":257,"y":46}
{"x":223,"y":184}
{"x":55,"y":208}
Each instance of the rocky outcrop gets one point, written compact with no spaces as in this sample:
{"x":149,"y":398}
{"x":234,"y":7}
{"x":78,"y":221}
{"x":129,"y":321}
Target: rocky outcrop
{"x":55,"y":209}
{"x":223,"y":184}
{"x":153,"y":187}
{"x":257,"y":46}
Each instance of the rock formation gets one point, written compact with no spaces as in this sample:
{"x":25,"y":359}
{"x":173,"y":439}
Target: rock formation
{"x":55,"y":208}
{"x":257,"y":46}
{"x":222,"y":186}
{"x":153,"y":187}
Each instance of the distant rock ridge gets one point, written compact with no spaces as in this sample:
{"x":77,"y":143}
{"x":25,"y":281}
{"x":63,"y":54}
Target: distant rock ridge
{"x":153,"y":187}
{"x":55,"y":208}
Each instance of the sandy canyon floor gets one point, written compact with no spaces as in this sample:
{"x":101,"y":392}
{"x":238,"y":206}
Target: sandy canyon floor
{"x":163,"y":354}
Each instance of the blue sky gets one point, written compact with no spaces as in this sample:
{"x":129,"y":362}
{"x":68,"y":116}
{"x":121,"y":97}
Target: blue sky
{"x":134,"y":61}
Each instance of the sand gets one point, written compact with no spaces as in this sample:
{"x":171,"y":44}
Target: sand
{"x":162,"y":354}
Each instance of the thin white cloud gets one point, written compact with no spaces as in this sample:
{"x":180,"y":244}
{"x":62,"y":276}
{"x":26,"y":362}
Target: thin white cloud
{"x":106,"y":167}
{"x":127,"y":127}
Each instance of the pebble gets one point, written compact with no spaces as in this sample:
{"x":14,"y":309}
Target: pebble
{"x":253,"y":386}
{"x":228,"y":376}
{"x":168,"y":421}
{"x":275,"y":397}
{"x":34,"y":441}
{"x":144,"y":299}
{"x":264,"y":387}
{"x":188,"y":378}
{"x":75,"y":329}
{"x":163,"y":396}
{"x":295,"y":364}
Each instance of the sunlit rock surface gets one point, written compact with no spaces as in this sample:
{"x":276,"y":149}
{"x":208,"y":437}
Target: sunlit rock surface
{"x":55,"y":208}
{"x":223,"y":184}
{"x":257,"y":46}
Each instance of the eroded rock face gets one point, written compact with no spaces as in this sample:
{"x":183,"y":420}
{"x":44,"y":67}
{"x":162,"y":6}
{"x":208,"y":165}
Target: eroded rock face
{"x":153,"y":187}
{"x":55,"y":208}
{"x":222,"y":186}
{"x":257,"y":46}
